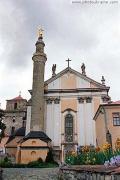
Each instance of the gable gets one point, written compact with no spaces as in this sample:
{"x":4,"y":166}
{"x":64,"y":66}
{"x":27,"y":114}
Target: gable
{"x":54,"y":84}
{"x":14,"y":141}
{"x":71,"y":80}
{"x":82,"y":83}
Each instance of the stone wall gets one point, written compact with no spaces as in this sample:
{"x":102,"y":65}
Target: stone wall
{"x":29,"y":174}
{"x":90,"y":173}
{"x":14,"y":119}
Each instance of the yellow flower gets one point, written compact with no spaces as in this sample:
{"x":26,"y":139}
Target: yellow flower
{"x":106,"y":146}
{"x":117,"y":144}
{"x":73,"y":153}
{"x":97,"y":149}
{"x":85,"y":149}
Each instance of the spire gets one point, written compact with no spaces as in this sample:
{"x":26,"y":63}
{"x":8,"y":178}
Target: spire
{"x":37,"y":110}
{"x":40,"y":43}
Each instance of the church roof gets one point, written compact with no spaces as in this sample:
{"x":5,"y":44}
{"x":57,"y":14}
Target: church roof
{"x":68,"y":69}
{"x":36,"y":135}
{"x":17,"y":98}
{"x":18,"y":132}
{"x":85,"y":77}
{"x":116,"y":102}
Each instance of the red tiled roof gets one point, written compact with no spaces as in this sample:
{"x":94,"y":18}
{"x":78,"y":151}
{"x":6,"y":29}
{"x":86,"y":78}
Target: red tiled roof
{"x":116,"y":102}
{"x":17,"y":98}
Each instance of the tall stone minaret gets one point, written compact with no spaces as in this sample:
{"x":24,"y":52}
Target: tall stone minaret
{"x":37,"y":112}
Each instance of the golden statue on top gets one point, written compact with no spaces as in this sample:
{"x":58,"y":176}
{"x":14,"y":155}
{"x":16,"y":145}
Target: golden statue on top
{"x":40,"y":32}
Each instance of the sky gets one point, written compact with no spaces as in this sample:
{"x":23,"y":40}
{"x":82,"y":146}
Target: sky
{"x":84,"y":31}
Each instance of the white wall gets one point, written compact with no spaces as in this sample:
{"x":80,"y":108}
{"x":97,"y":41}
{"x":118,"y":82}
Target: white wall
{"x":80,"y":123}
{"x":81,"y":83}
{"x":55,"y":84}
{"x":86,"y":124}
{"x":49,"y":121}
{"x":89,"y":124}
{"x":57,"y":125}
{"x":53,"y":123}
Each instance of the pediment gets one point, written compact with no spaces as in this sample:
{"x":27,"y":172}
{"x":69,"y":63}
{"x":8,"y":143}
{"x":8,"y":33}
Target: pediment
{"x":71,"y":79}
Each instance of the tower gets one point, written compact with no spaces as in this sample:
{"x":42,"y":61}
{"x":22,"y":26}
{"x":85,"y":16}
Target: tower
{"x":37,"y":112}
{"x":36,"y":143}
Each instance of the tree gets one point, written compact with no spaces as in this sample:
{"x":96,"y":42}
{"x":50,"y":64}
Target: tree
{"x":49,"y":157}
{"x":2,"y":125}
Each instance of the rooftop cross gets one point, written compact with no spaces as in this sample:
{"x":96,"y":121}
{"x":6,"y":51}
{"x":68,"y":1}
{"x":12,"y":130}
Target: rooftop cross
{"x":68,"y":60}
{"x":40,"y":32}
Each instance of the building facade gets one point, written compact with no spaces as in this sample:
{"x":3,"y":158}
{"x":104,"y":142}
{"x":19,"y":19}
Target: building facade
{"x":71,"y":100}
{"x":15,"y":114}
{"x":107,"y":120}
{"x":60,"y":112}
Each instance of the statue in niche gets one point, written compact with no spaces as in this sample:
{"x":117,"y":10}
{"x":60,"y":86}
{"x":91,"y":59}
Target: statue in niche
{"x":83,"y":69}
{"x":53,"y":70}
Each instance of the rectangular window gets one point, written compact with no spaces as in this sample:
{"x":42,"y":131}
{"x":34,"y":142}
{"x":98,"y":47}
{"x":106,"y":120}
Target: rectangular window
{"x":116,"y":119}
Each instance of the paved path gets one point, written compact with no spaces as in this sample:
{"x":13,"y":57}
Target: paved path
{"x":30,"y":173}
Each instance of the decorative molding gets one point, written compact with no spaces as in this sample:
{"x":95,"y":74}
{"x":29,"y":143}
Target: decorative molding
{"x":105,"y":99}
{"x":69,"y":110}
{"x":56,"y":100}
{"x":81,"y":100}
{"x":88,"y":99}
{"x":49,"y":100}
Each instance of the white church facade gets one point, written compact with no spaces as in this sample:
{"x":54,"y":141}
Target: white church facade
{"x":60,"y":112}
{"x":71,"y":99}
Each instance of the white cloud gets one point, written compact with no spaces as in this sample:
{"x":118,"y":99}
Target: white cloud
{"x":84,"y":33}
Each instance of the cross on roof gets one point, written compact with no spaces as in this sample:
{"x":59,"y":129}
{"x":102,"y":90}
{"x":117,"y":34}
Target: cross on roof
{"x":68,"y":60}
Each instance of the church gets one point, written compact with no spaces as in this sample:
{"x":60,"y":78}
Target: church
{"x":61,"y":110}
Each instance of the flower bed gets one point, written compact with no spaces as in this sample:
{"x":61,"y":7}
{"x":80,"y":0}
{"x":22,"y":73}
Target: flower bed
{"x":94,"y":156}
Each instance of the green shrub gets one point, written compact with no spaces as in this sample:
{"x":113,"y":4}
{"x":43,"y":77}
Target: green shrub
{"x":33,"y":164}
{"x":5,"y":163}
{"x":49,"y":157}
{"x":40,"y":160}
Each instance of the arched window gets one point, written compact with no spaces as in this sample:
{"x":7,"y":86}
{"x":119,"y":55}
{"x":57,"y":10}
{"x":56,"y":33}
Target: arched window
{"x":69,"y":128}
{"x":33,"y":153}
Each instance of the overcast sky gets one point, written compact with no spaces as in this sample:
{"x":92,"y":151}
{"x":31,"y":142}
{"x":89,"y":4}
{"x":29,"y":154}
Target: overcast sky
{"x":84,"y":32}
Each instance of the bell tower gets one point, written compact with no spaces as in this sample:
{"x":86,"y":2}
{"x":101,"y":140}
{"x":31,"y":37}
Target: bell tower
{"x":37,"y":112}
